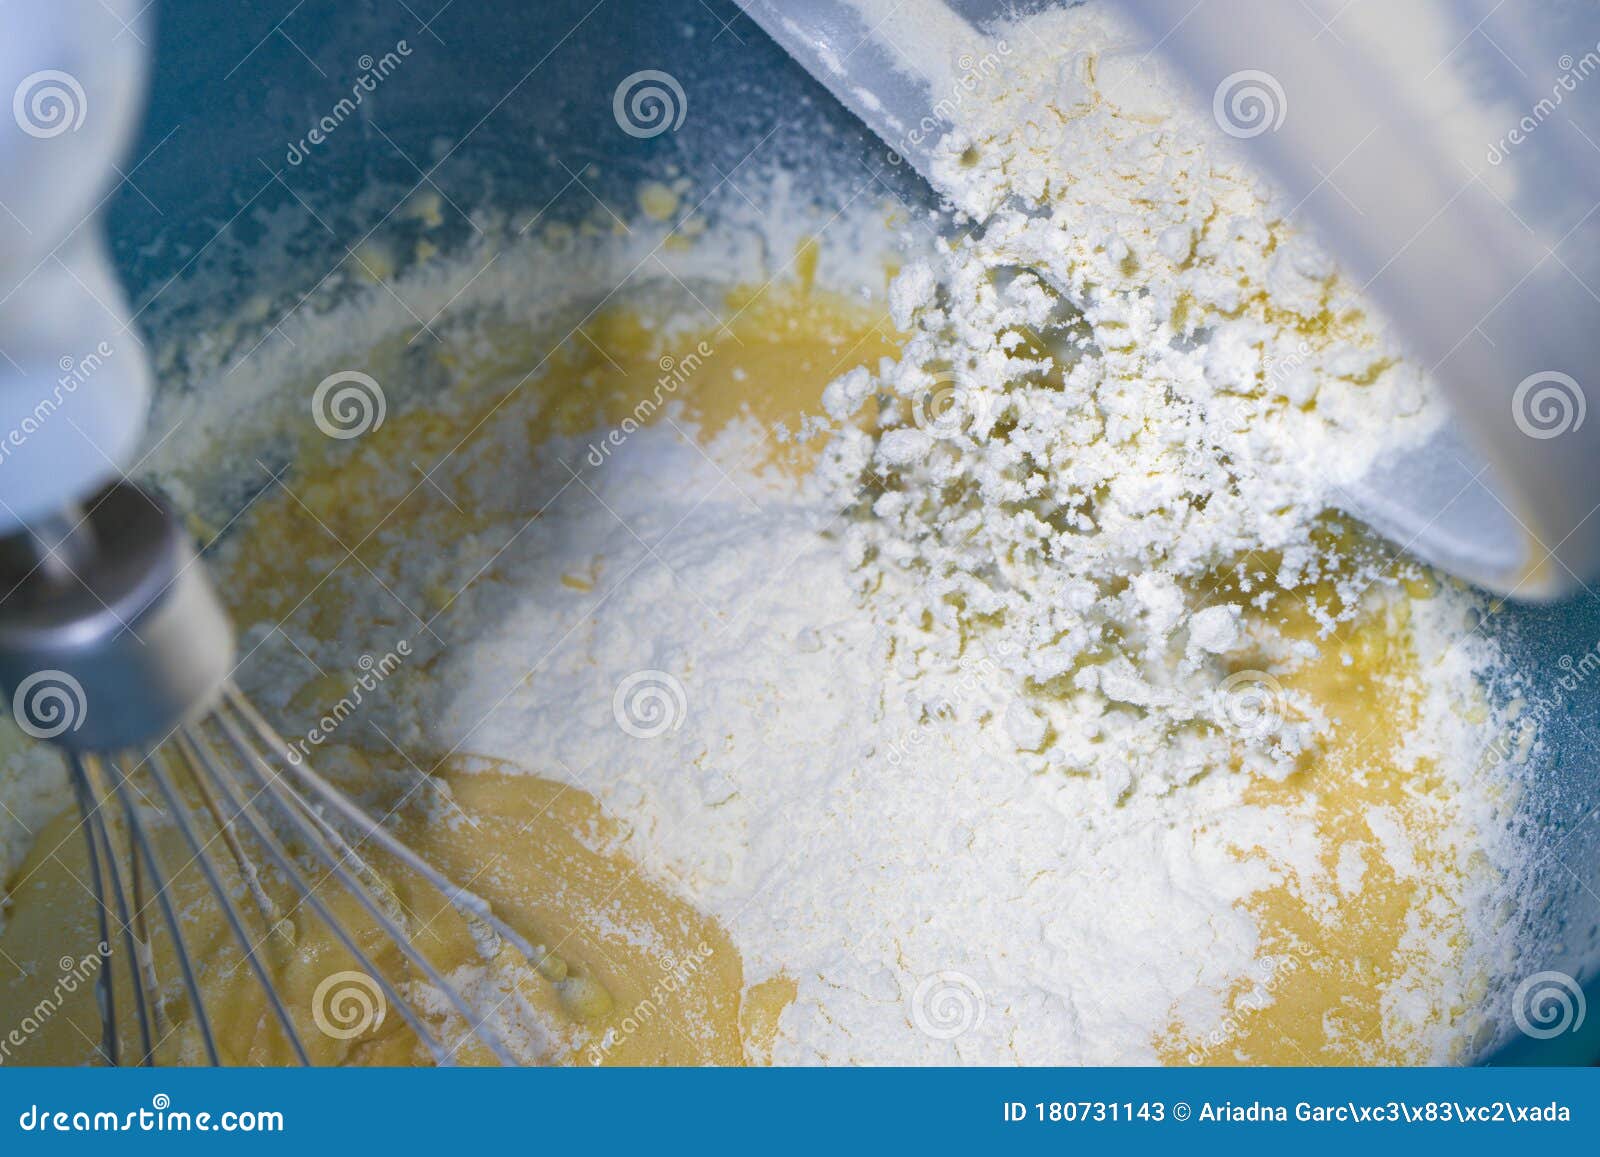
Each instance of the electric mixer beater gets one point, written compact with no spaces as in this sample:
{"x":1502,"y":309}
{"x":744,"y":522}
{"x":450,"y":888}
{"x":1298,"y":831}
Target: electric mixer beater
{"x":113,"y":643}
{"x":114,"y":646}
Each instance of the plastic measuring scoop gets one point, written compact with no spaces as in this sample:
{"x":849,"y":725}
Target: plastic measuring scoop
{"x":1448,"y":154}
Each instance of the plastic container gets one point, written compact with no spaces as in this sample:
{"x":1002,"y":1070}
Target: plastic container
{"x":1448,"y":154}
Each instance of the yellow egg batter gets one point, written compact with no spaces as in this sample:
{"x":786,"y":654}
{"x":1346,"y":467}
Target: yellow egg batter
{"x":528,"y":845}
{"x":1320,"y":1000}
{"x":546,"y":854}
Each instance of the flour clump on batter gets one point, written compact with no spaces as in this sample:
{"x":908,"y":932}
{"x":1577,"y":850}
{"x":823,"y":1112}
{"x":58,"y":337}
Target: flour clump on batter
{"x":1148,"y":387}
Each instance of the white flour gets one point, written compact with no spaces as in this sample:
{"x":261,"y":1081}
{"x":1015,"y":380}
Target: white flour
{"x":860,"y":824}
{"x":860,"y":821}
{"x":1189,"y":382}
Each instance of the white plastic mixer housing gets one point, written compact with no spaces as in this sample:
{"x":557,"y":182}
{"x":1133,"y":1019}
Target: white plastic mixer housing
{"x":74,"y":378}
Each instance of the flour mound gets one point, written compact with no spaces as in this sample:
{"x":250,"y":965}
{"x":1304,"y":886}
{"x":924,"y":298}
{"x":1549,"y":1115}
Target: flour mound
{"x":1130,"y":397}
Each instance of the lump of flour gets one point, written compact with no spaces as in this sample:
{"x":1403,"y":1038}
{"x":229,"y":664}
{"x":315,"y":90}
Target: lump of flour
{"x":1131,"y":393}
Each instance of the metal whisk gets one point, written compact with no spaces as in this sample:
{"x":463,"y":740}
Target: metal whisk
{"x":114,"y":646}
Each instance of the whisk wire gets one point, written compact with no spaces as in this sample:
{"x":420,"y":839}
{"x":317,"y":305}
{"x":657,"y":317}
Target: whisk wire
{"x":144,"y":963}
{"x":283,"y":793}
{"x":463,"y":900}
{"x":162,"y":776}
{"x":212,"y":765}
{"x":120,"y":913}
{"x":104,"y":988}
{"x":296,"y":808}
{"x":124,"y":894}
{"x":96,"y":828}
{"x":227,"y":829}
{"x":125,"y":792}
